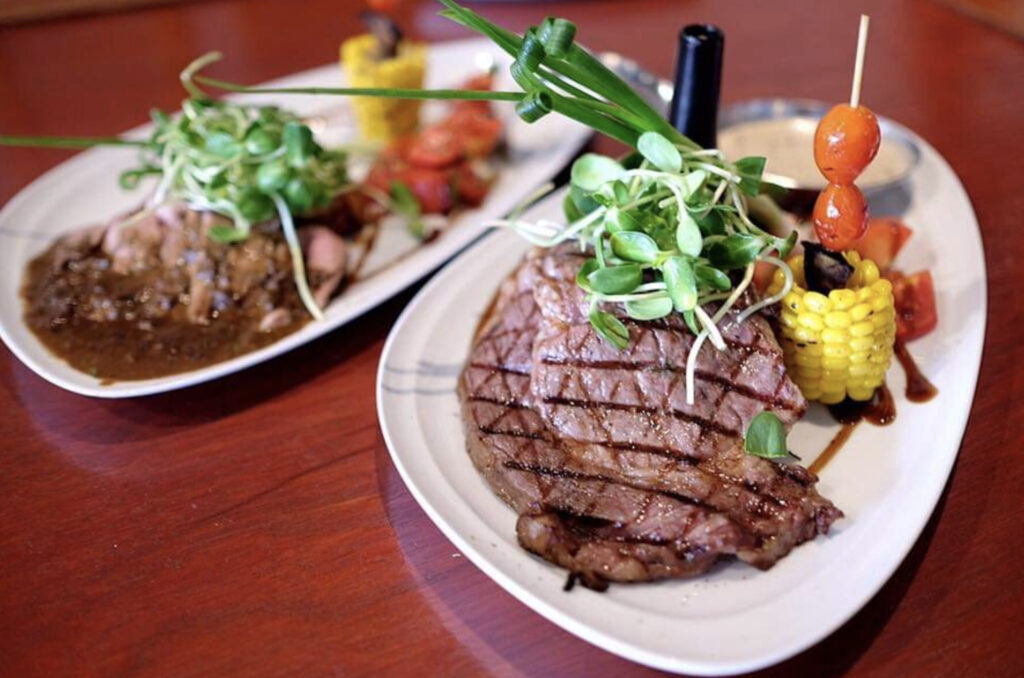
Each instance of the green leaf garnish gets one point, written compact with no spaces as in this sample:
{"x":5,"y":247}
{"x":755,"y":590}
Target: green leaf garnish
{"x":590,"y":171}
{"x":610,"y":327}
{"x":616,"y":279}
{"x":680,"y":282}
{"x":634,"y":246}
{"x":766,"y":437}
{"x":650,"y":308}
{"x":688,"y":236}
{"x":660,"y":152}
{"x":736,"y":251}
{"x":750,"y":170}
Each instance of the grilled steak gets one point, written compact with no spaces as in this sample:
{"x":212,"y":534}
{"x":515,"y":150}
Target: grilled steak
{"x":615,"y":477}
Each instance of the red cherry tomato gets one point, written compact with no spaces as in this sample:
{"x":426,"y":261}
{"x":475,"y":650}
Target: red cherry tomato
{"x":840,"y":217}
{"x":914,"y":297}
{"x":470,"y":187}
{"x":846,"y":142}
{"x":435,"y":148}
{"x":431,"y":188}
{"x":478,"y":133}
{"x":883,"y":240}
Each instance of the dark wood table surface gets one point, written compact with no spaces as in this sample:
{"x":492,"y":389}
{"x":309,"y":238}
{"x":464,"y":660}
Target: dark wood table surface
{"x":256,"y":526}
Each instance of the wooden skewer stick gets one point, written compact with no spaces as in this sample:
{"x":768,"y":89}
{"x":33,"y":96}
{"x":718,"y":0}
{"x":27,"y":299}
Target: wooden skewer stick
{"x":858,"y":69}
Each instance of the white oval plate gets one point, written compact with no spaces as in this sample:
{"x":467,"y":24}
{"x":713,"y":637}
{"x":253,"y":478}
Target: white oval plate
{"x":886,"y":479}
{"x":84,"y":191}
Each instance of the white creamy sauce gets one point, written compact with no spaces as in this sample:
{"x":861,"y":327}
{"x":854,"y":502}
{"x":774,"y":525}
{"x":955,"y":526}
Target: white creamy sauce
{"x":788,"y":144}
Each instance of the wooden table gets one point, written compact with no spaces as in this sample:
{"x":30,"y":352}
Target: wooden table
{"x":255,"y":525}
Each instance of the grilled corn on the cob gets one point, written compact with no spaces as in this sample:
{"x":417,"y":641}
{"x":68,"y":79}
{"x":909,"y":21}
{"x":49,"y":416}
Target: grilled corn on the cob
{"x":839,"y":345}
{"x":382,"y":119}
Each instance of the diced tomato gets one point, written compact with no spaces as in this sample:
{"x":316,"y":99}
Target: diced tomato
{"x":469,"y":186}
{"x":914,"y":297}
{"x":478,"y":133}
{"x":430,"y":187}
{"x":435,"y":148}
{"x":883,"y":240}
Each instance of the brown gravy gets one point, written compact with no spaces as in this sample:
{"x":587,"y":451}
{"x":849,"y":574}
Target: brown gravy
{"x":919,"y":389}
{"x":130,"y":347}
{"x":880,"y":410}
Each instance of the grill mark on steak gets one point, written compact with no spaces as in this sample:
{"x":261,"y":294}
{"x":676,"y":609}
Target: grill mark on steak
{"x":511,"y":404}
{"x":575,"y":475}
{"x":501,"y":369}
{"x":771,"y":399}
{"x":706,"y":424}
{"x":722,"y":500}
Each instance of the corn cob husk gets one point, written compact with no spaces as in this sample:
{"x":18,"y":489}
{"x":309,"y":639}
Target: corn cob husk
{"x":382,"y":119}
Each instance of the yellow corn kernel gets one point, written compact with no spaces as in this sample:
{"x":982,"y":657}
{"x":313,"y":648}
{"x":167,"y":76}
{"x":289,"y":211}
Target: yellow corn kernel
{"x":833,"y":336}
{"x":869,"y":273}
{"x":837,"y":320}
{"x":860,"y":394}
{"x":857,"y":344}
{"x":807,"y":360}
{"x":842,"y":300}
{"x":836,"y":350}
{"x":811,"y":321}
{"x":793,"y":302}
{"x":806,"y":335}
{"x":817,"y":303}
{"x":832,"y":397}
{"x":860,"y":311}
{"x":834,"y":362}
{"x":862,"y":329}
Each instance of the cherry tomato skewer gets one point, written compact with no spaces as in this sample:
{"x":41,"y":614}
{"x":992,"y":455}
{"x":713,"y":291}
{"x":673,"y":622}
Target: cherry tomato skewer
{"x":840,"y":216}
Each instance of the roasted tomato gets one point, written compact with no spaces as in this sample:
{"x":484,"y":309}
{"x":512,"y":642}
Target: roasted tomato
{"x":883,"y":240}
{"x":840,"y":216}
{"x":478,"y":133}
{"x":435,"y":148}
{"x":914,"y":296}
{"x":469,"y":186}
{"x":431,"y":188}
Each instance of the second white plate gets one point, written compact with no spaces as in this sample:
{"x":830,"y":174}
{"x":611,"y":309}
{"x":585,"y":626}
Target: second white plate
{"x":85,"y":191}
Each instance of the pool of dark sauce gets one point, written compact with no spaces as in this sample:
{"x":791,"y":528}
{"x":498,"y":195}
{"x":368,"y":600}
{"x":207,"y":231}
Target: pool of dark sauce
{"x":880,"y":410}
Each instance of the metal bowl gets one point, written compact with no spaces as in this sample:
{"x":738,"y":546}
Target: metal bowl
{"x":804,"y":116}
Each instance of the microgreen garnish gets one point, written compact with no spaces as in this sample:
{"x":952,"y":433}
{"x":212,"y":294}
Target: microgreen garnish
{"x":766,"y":437}
{"x":248,"y":163}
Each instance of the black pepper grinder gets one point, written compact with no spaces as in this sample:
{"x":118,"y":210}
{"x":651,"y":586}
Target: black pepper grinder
{"x":694,"y":109}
